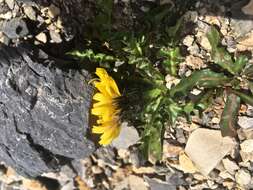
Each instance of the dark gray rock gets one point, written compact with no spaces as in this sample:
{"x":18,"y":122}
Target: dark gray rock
{"x":44,"y":112}
{"x":156,"y":184}
{"x":15,"y":28}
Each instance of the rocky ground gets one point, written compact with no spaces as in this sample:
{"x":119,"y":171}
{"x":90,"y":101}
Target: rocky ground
{"x":189,"y":161}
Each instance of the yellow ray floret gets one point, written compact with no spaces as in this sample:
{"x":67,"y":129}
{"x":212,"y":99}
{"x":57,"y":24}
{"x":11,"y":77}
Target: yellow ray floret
{"x":106,"y":108}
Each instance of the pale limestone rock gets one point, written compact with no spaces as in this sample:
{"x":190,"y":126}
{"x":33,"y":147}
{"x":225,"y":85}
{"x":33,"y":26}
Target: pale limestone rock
{"x":128,"y":136}
{"x":206,"y":148}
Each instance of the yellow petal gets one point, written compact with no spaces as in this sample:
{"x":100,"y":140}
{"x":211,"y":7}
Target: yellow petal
{"x":105,"y":107}
{"x":101,"y":110}
{"x":107,"y":82}
{"x":104,"y":141}
{"x":101,"y":88}
{"x":107,"y":137}
{"x":101,"y":97}
{"x":104,"y":112}
{"x":102,"y":73}
{"x":99,"y":104}
{"x":112,"y":88}
{"x":99,"y":129}
{"x":105,"y":126}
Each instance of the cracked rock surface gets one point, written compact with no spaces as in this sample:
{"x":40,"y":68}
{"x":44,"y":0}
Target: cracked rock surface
{"x":44,"y":112}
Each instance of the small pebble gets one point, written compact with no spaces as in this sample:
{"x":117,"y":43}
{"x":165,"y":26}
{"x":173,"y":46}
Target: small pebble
{"x":247,"y":146}
{"x":10,"y":3}
{"x":188,"y":40}
{"x":56,"y":37}
{"x":243,"y":177}
{"x":41,"y":37}
{"x":30,"y":13}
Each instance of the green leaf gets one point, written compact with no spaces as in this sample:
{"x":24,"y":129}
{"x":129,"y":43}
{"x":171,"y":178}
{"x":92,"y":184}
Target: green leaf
{"x":172,"y":59}
{"x":222,"y":58}
{"x":153,"y":93}
{"x":199,"y":103}
{"x":135,"y":48}
{"x":203,"y":78}
{"x":94,"y":57}
{"x":229,"y":116}
{"x":153,"y":105}
{"x":189,"y":107}
{"x":155,"y":142}
{"x":151,"y":147}
{"x":148,"y":71}
{"x":174,"y":111}
{"x":240,"y":63}
{"x":213,"y":37}
{"x":244,"y":97}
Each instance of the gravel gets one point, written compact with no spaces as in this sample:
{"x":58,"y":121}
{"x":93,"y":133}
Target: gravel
{"x":49,"y":23}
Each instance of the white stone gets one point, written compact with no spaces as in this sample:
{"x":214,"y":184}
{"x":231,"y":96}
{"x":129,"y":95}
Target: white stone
{"x":6,"y":16}
{"x":206,"y":148}
{"x":55,"y":37}
{"x":10,"y":3}
{"x":226,"y":175}
{"x":246,"y":156}
{"x":128,"y":136}
{"x":230,"y":166}
{"x":247,"y":146}
{"x":41,"y":37}
{"x":243,"y":177}
{"x":132,"y":182}
{"x":30,"y":13}
{"x":136,"y":183}
{"x":188,"y":40}
{"x":4,"y":39}
{"x":194,"y":62}
{"x":205,"y":43}
{"x":245,"y":122}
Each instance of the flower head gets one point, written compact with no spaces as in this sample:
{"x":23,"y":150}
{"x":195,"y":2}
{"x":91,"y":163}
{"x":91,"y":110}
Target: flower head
{"x":106,"y":107}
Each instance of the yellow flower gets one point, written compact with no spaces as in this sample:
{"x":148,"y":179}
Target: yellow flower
{"x":106,"y":108}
